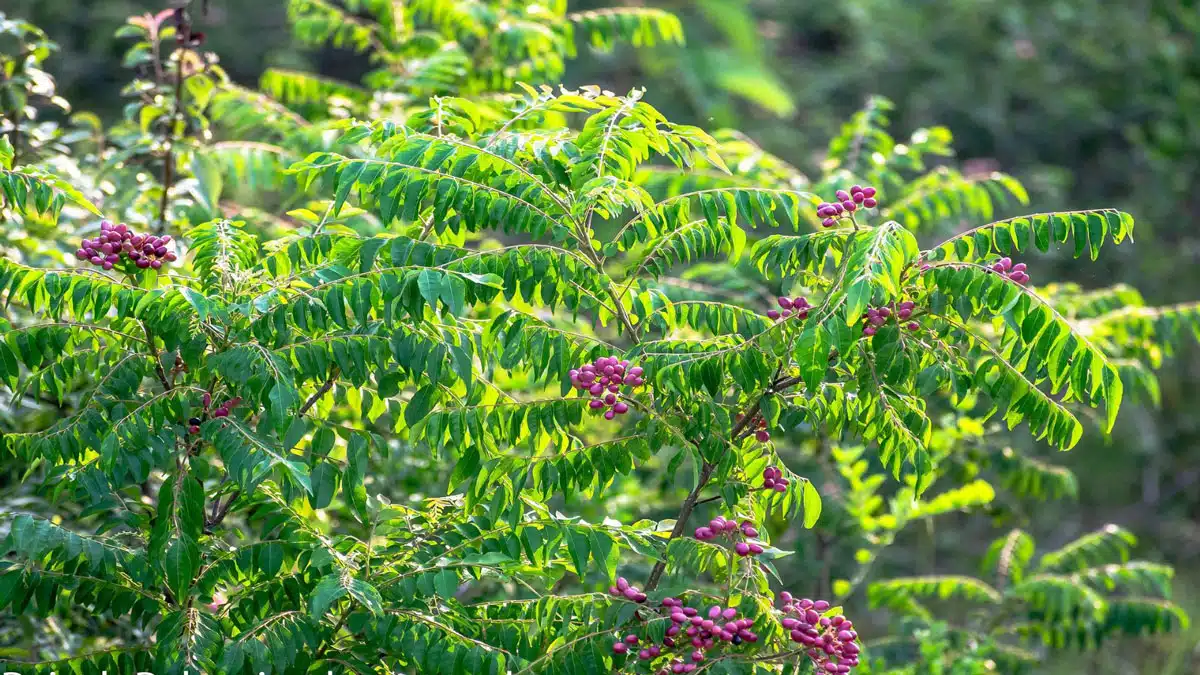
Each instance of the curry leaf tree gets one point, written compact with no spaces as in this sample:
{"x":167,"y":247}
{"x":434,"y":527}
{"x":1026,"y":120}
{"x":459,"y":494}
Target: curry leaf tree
{"x":363,"y":376}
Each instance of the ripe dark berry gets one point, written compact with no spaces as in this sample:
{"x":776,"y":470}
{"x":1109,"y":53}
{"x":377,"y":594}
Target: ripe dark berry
{"x":194,"y":421}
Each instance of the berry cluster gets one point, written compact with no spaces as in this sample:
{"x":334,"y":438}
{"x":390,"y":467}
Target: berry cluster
{"x":848,"y":202}
{"x":221,"y":411}
{"x":701,"y":631}
{"x":720,"y":526}
{"x":759,"y":423}
{"x":624,"y":590}
{"x":827,"y":637}
{"x":117,"y":242}
{"x":1006,"y":268}
{"x":773,"y":479}
{"x":603,"y":379}
{"x":797,"y":307}
{"x":877,"y":316}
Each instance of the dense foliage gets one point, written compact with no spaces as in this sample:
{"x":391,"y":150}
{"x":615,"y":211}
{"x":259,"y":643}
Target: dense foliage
{"x":423,"y":362}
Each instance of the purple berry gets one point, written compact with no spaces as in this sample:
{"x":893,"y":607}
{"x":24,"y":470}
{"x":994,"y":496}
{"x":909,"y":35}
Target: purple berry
{"x":620,"y":648}
{"x":156,"y":264}
{"x":842,"y":196}
{"x":631,"y":639}
{"x":858,"y":198}
{"x":870,"y":203}
{"x":621,"y":408}
{"x":773,"y":314}
{"x":828,"y":222}
{"x":608,"y":415}
{"x":742,"y":549}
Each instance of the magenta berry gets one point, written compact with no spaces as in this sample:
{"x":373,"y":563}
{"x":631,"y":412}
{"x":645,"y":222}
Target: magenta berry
{"x":1005,"y":268}
{"x":602,"y":379}
{"x":830,"y":641}
{"x":118,"y":245}
{"x":620,"y":648}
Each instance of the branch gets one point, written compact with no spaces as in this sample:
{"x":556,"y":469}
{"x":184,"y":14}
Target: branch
{"x":685,"y":512}
{"x":158,"y":369}
{"x":168,"y":173}
{"x":324,"y":389}
{"x":219,"y":513}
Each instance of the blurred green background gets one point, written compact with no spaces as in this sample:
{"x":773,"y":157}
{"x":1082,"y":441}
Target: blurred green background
{"x":1090,"y":102}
